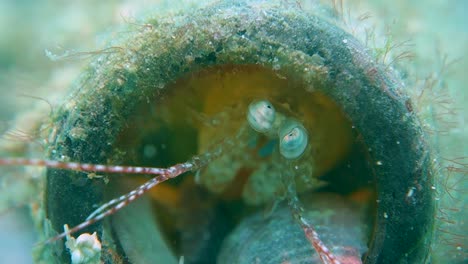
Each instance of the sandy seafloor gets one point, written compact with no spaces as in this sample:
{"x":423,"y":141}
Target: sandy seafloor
{"x":28,"y":28}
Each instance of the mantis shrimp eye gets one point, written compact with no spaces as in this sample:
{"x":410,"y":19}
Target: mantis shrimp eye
{"x":261,"y":115}
{"x":293,"y":139}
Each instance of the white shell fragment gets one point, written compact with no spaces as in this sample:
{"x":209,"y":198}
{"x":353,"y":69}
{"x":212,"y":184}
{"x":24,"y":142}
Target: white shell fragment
{"x":293,"y":139}
{"x":261,"y":116}
{"x":84,"y":249}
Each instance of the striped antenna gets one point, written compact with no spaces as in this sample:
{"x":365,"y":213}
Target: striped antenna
{"x":311,"y":234}
{"x":82,"y":166}
{"x":114,"y":205}
{"x":296,"y":208}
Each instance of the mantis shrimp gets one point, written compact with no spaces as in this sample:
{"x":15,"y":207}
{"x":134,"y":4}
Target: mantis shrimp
{"x":262,"y":118}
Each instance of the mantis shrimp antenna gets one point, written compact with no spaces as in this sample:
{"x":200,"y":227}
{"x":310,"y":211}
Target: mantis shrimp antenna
{"x":162,"y":174}
{"x":114,"y":205}
{"x":296,"y":210}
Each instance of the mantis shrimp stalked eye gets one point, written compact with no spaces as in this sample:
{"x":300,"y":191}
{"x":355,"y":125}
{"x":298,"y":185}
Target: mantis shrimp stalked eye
{"x":293,"y":139}
{"x":261,"y":116}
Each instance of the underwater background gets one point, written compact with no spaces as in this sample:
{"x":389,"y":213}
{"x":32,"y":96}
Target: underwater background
{"x":36,"y":34}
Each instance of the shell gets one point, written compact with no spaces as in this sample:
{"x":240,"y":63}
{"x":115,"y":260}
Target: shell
{"x":293,"y":139}
{"x":277,"y":238}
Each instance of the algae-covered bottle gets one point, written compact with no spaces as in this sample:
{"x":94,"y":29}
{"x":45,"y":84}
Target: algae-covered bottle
{"x":265,"y":104}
